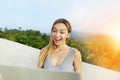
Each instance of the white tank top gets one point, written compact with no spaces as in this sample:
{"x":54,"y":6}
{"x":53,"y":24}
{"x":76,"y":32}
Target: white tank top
{"x":66,"y":65}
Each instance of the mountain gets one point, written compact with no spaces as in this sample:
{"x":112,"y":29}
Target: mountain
{"x":81,"y":35}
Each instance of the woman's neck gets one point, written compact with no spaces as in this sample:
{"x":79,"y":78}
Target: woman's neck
{"x":61,"y":47}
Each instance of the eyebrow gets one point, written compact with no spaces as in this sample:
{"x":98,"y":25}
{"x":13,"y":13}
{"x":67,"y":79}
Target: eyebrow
{"x":60,"y":29}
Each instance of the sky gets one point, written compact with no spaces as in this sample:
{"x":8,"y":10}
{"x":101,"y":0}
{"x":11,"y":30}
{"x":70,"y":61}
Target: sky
{"x":92,"y":16}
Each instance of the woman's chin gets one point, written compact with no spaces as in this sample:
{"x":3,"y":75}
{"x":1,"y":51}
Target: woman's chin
{"x":57,"y":43}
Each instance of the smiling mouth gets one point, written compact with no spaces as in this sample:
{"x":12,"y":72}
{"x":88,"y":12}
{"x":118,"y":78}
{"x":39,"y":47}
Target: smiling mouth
{"x":58,"y":40}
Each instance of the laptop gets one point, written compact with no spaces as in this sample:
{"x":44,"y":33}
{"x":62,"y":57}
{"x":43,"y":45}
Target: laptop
{"x":22,"y":73}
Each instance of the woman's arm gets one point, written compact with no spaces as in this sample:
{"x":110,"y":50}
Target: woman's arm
{"x":78,"y":62}
{"x":38,"y":64}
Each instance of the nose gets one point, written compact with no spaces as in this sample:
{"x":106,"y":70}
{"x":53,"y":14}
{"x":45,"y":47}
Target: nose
{"x":57,"y":34}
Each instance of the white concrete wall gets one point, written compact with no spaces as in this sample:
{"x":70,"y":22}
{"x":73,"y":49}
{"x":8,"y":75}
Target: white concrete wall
{"x":15,"y":54}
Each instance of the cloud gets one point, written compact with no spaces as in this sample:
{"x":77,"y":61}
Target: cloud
{"x":95,"y":16}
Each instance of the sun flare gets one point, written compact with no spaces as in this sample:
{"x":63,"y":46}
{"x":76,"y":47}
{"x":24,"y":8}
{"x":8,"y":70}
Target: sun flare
{"x":115,"y":33}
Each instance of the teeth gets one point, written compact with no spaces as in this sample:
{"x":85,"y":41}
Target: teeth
{"x":58,"y":39}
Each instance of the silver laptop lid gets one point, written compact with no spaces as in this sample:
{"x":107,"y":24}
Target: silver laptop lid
{"x":22,"y":73}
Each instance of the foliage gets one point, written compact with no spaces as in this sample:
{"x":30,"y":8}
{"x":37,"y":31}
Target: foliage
{"x":98,"y":50}
{"x":31,"y":38}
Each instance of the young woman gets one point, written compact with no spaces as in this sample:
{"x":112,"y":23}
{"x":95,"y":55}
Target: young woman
{"x":57,"y":55}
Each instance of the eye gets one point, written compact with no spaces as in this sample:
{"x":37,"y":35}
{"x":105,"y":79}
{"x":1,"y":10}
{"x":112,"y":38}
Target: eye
{"x":54,"y":31}
{"x":62,"y":32}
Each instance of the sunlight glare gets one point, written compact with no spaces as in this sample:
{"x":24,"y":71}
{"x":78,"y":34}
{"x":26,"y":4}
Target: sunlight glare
{"x":116,"y":37}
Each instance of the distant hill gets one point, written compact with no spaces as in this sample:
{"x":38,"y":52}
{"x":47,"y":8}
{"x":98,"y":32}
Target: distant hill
{"x":84,"y":36}
{"x":81,"y":35}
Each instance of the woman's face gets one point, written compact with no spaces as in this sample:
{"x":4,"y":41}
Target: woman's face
{"x":59,"y":34}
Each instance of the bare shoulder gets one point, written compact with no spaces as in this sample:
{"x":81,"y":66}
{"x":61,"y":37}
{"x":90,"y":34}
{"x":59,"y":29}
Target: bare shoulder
{"x":41,"y":51}
{"x":77,"y":62}
{"x":77,"y":53}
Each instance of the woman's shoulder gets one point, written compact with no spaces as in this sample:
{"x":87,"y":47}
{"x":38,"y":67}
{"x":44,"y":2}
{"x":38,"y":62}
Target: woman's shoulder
{"x":43,"y":49}
{"x":77,"y":52}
